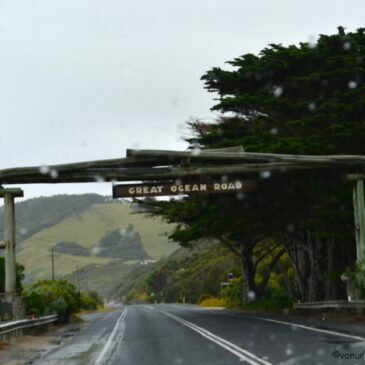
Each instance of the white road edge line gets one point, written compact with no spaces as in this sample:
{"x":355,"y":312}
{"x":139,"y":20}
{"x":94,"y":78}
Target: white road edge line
{"x":310,"y":328}
{"x":242,"y":354}
{"x":110,"y":339}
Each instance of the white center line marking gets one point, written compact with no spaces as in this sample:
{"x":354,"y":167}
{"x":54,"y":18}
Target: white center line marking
{"x":108,"y":343}
{"x":241,"y":353}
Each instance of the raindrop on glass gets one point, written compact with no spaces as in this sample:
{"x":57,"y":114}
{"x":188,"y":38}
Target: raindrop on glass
{"x":196,"y":151}
{"x":277,"y":91}
{"x":251,"y":295}
{"x":311,"y":106}
{"x":352,"y":84}
{"x":44,"y":169}
{"x":23,"y":231}
{"x":346,"y":46}
{"x":265,"y":174}
{"x":274,"y":130}
{"x":53,"y":173}
{"x":99,"y":178}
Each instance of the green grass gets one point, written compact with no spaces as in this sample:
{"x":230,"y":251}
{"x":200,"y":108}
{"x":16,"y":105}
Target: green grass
{"x":87,"y":229}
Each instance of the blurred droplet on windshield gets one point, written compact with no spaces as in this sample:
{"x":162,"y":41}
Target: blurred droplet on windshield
{"x":44,"y":169}
{"x":312,"y":106}
{"x":265,"y":174}
{"x":352,"y":84}
{"x":251,"y":295}
{"x":99,"y":178}
{"x":347,"y":46}
{"x":277,"y":91}
{"x":23,"y":231}
{"x":196,"y":151}
{"x":53,"y":173}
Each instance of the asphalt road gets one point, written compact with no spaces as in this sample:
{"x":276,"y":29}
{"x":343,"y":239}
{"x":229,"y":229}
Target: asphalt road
{"x":172,"y":334}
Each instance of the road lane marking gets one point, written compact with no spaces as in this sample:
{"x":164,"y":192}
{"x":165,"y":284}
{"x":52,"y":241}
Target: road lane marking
{"x":309,"y":328}
{"x":242,"y":354}
{"x":108,"y":343}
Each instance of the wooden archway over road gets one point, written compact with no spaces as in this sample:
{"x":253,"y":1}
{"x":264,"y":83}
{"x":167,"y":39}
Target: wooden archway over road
{"x":167,"y":167}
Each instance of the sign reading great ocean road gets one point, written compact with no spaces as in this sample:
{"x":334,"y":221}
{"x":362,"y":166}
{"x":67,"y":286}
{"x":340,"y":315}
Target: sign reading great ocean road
{"x":186,"y":188}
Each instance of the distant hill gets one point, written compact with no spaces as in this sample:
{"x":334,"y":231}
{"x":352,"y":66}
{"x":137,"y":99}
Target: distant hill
{"x":89,"y":234}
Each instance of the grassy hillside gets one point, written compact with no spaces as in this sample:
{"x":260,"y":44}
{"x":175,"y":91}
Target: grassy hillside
{"x":87,"y":228}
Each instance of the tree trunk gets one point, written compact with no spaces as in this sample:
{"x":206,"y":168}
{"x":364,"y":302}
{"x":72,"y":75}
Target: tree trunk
{"x":248,"y":273}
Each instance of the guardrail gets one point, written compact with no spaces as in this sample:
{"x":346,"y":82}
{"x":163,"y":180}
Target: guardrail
{"x":332,"y":304}
{"x":22,"y":326}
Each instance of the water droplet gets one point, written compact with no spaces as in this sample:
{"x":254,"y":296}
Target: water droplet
{"x":311,"y":106}
{"x":251,"y":295}
{"x":224,"y":178}
{"x":98,"y":178}
{"x":178,"y":182}
{"x":122,"y":231}
{"x":352,"y":84}
{"x":23,"y":231}
{"x":312,"y":41}
{"x":196,"y":151}
{"x":44,"y":169}
{"x":53,"y":173}
{"x":240,"y":196}
{"x":277,"y":91}
{"x":289,"y":351}
{"x":95,"y":250}
{"x":347,"y":46}
{"x":265,"y":174}
{"x":274,"y":130}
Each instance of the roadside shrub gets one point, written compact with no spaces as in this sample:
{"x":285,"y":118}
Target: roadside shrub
{"x":90,"y":300}
{"x":59,"y":297}
{"x":213,"y":302}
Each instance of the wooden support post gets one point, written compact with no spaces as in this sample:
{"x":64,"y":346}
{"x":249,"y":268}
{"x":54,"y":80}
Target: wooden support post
{"x":9,"y":235}
{"x":9,"y":240}
{"x":359,"y":215}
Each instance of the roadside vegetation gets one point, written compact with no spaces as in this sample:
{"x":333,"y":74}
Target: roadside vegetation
{"x":58,"y":297}
{"x":197,"y":277}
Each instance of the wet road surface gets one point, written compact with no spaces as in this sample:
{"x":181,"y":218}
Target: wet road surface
{"x":175,"y":334}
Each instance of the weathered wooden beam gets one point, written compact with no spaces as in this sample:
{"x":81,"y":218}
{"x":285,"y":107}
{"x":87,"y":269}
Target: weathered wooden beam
{"x":250,"y":157}
{"x":355,"y":177}
{"x":160,"y":173}
{"x":78,"y":166}
{"x":17,"y":193}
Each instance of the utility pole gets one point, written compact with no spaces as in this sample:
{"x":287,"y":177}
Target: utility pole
{"x":52,"y":255}
{"x":78,"y":277}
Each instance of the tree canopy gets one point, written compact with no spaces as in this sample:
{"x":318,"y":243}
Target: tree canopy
{"x":299,"y":99}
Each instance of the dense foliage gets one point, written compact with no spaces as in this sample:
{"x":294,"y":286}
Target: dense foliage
{"x":196,"y":278}
{"x":60,"y":297}
{"x":305,"y":99}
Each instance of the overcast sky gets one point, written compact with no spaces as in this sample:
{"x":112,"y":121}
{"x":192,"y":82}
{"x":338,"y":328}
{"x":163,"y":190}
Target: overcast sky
{"x":86,"y":79}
